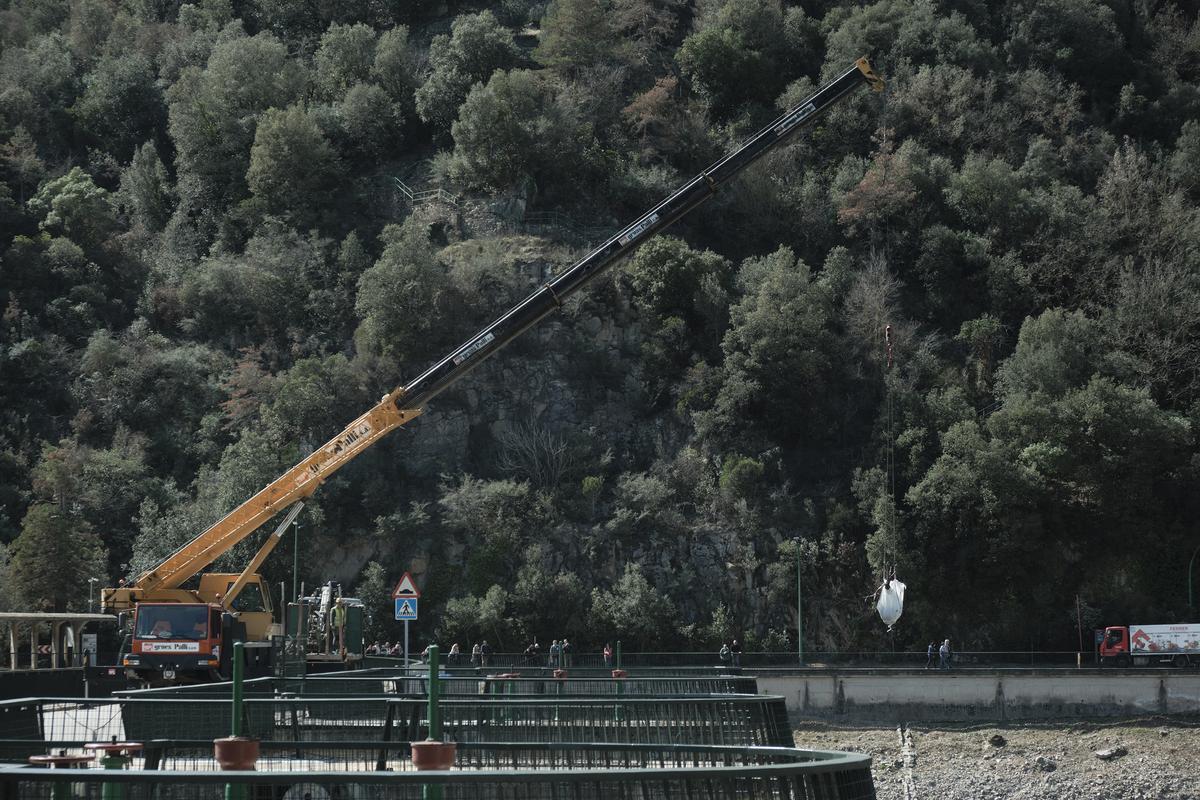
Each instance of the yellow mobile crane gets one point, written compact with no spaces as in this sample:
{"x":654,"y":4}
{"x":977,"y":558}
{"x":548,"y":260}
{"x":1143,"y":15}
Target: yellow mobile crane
{"x":227,"y":604}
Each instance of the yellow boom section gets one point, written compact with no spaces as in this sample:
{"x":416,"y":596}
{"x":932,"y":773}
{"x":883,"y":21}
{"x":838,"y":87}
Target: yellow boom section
{"x":296,"y":484}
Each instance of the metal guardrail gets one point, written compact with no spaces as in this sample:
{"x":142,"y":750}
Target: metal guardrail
{"x":393,"y":683}
{"x":416,"y":197}
{"x":712,"y":720}
{"x":708,"y":662}
{"x":490,"y":770}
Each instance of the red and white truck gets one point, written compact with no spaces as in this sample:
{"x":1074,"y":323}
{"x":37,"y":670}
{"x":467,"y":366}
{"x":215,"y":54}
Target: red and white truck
{"x":1145,"y":645}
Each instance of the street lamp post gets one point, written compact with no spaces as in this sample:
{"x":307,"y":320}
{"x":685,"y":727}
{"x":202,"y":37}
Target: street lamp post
{"x":92,"y":594}
{"x":295,"y":559}
{"x":1191,"y":604}
{"x":799,"y":607}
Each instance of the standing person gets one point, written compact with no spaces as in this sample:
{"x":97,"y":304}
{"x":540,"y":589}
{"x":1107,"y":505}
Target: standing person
{"x":454,"y":654}
{"x":929,"y":656}
{"x":724,"y":653}
{"x":485,"y":653}
{"x":736,"y":650}
{"x":476,"y":654}
{"x":555,"y":654}
{"x":566,"y":654}
{"x":608,"y":653}
{"x":944,"y":653}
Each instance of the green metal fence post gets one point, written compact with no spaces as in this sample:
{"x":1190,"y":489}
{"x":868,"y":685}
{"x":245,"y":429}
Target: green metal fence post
{"x":435,"y":689}
{"x":237,"y":791}
{"x":434,"y":791}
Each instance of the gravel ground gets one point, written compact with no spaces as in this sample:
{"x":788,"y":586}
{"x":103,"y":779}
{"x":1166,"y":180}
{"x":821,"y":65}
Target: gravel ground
{"x":1048,"y":761}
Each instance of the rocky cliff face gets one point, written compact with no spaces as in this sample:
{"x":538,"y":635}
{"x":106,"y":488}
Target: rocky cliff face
{"x":574,"y":378}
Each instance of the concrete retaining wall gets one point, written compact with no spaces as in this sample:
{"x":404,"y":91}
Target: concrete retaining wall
{"x":904,"y":695}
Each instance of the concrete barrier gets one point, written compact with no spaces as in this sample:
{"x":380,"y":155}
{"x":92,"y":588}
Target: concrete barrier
{"x":986,"y":695}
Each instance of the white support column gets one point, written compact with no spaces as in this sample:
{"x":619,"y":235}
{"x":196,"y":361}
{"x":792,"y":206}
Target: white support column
{"x":12,"y":645}
{"x":71,"y":654}
{"x":55,"y":644}
{"x":33,"y":644}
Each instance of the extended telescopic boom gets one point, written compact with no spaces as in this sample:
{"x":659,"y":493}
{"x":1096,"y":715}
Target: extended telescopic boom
{"x":405,"y":403}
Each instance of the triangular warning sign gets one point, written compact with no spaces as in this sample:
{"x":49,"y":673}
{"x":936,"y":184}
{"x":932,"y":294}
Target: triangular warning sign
{"x":405,"y":588}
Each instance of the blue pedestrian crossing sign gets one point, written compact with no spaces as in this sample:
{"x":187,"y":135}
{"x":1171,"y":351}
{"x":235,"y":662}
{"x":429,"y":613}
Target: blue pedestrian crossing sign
{"x":406,"y":608}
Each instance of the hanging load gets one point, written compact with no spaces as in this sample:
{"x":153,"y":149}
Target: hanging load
{"x":890,"y":604}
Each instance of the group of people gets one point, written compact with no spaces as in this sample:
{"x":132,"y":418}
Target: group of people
{"x":559,"y":653}
{"x":480,"y":652}
{"x":386,"y":649}
{"x":731,"y":653}
{"x":943,"y":653}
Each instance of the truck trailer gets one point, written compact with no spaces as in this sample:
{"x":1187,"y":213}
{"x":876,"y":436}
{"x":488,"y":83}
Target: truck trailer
{"x":1145,"y":645}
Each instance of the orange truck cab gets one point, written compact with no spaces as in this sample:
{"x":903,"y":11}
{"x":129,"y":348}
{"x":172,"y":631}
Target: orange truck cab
{"x":174,"y":642}
{"x":1114,"y":647}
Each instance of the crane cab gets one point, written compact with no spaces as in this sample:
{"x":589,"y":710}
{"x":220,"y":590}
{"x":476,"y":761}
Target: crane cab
{"x":252,"y":606}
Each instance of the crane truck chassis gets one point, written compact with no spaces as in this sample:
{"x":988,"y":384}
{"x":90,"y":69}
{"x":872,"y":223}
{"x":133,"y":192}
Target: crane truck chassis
{"x":153,"y":657}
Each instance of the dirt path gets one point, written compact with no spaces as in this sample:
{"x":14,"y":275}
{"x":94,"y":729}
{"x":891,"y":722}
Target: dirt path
{"x":1026,"y":761}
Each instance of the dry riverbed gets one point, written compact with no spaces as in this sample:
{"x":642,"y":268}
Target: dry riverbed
{"x":930,"y":761}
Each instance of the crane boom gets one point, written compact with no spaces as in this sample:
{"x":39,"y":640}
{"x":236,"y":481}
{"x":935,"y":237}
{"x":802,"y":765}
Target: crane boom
{"x":407,"y":402}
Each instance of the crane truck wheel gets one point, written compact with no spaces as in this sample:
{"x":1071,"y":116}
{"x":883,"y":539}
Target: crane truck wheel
{"x":1122,"y":661}
{"x":1180,"y":661}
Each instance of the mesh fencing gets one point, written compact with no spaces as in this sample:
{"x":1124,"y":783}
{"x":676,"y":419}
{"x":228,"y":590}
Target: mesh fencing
{"x":499,"y":771}
{"x":383,"y":682}
{"x":710,"y":720}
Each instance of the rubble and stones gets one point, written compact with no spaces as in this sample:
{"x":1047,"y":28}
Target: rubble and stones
{"x":1039,"y":761}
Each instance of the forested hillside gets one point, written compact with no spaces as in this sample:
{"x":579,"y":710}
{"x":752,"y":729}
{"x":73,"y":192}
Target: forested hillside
{"x":209,"y":269}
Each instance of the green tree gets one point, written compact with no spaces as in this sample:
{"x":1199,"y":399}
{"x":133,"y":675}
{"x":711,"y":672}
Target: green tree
{"x":376,"y":594}
{"x":52,"y":560}
{"x":293,"y":167}
{"x":146,"y":190}
{"x":344,"y":59}
{"x":633,"y":612}
{"x":516,"y":127}
{"x":74,"y":206}
{"x":213,"y":114}
{"x":780,"y":355}
{"x":144,"y":383}
{"x":370,"y":124}
{"x":401,"y":298}
{"x":393,"y":67}
{"x":579,"y":35}
{"x":22,"y":164}
{"x":121,"y":105}
{"x":477,"y":46}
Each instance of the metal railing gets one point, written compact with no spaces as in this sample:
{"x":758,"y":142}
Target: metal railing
{"x":714,"y":720}
{"x":485,"y":770}
{"x":400,"y":682}
{"x":416,"y":197}
{"x":705,"y":662}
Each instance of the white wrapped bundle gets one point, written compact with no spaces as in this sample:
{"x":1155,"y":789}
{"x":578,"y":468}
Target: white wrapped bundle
{"x":890,"y":604}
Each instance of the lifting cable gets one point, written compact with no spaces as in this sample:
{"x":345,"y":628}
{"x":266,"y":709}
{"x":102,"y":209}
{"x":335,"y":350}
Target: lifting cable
{"x":890,"y":597}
